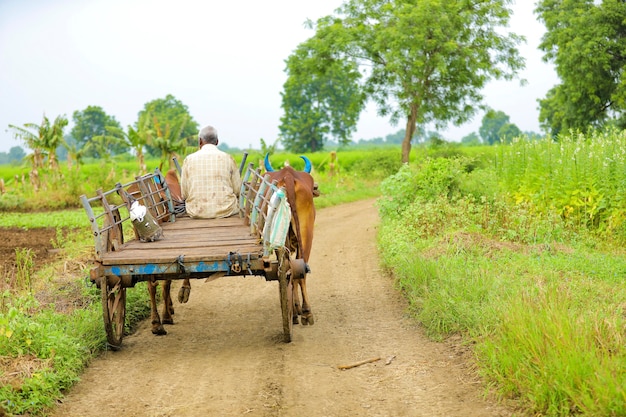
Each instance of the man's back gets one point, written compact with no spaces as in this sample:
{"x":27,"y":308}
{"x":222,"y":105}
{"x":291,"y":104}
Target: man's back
{"x":210,"y":183}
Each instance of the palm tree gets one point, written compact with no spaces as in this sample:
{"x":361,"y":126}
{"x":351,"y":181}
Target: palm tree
{"x":32,"y":140}
{"x":53,"y":138}
{"x":136,"y":139}
{"x":42,"y":139}
{"x":74,"y":153}
{"x":168,"y":140}
{"x":101,"y":145}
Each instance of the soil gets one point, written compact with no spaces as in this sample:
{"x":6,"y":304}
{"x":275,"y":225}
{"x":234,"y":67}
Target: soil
{"x":224,"y":356}
{"x":39,"y":241}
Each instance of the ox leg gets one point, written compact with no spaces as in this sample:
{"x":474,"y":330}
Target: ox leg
{"x":168,"y":305}
{"x":307,"y":314}
{"x":184,"y":291}
{"x":297,"y":308}
{"x":157,"y":327}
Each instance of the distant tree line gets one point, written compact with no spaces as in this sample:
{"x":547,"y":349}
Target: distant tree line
{"x":495,"y":128}
{"x":101,"y":137}
{"x":15,"y":156}
{"x":164,"y":128}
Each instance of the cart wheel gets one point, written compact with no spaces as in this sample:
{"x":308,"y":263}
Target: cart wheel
{"x":114,"y":310}
{"x":286,"y":299}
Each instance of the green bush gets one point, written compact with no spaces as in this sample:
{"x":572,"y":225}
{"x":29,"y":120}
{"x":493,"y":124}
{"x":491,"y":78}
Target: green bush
{"x":423,"y":182}
{"x":492,"y":253}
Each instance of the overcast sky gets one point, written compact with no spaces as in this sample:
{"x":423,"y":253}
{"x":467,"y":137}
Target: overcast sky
{"x":223,"y":59}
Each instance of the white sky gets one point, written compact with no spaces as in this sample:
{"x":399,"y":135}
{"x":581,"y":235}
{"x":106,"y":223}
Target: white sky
{"x":223,"y":59}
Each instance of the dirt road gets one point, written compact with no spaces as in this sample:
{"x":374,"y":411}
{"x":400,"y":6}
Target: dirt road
{"x":224,"y":356}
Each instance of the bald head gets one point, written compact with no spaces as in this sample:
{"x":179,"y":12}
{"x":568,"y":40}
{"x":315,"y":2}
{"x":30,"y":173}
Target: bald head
{"x":208,"y":134}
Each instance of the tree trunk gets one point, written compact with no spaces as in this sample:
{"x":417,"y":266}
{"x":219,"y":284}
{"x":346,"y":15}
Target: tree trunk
{"x":142,"y":162}
{"x":408,"y":134}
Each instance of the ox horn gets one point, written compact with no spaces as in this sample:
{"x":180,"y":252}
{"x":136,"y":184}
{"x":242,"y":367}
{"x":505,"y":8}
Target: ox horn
{"x":268,"y":166}
{"x":307,"y":164}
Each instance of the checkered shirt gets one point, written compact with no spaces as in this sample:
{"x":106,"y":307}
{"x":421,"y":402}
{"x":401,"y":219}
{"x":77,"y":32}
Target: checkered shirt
{"x":210,"y":183}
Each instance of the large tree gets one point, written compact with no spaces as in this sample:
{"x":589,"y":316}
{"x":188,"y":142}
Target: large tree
{"x":425,"y":61}
{"x":167,"y":115}
{"x":93,"y":122}
{"x":496,"y":127}
{"x":586,"y":40}
{"x":320,"y":101}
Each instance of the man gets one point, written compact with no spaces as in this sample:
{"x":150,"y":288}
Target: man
{"x":210,"y":179}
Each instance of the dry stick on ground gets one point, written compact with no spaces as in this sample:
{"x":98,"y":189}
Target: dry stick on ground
{"x":363,"y":362}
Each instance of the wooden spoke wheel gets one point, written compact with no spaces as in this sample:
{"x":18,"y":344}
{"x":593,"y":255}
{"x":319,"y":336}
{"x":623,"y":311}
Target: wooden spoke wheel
{"x":286,"y":296}
{"x":114,"y":310}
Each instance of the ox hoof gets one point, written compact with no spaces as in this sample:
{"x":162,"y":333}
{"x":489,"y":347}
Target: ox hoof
{"x":295,"y":320}
{"x":308,"y":320}
{"x":159,"y":331}
{"x":167,"y":321}
{"x":183,"y":294}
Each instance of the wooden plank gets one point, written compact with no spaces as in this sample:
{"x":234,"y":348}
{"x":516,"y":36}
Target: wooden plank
{"x":207,"y":240}
{"x":202,"y":234}
{"x":189,"y":223}
{"x":188,"y":243}
{"x":161,"y":256}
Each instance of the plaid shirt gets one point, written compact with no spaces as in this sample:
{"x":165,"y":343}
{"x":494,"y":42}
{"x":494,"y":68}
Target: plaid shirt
{"x":210,"y":183}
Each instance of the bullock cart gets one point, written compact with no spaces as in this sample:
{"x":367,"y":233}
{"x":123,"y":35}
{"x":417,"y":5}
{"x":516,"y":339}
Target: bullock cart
{"x":185,"y":248}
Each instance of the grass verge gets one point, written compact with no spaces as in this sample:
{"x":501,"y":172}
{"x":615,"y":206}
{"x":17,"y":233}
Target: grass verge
{"x":540,"y":300}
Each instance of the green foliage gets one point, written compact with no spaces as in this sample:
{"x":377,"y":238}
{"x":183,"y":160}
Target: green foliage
{"x":585,"y":40}
{"x":377,"y":164}
{"x":563,"y":339}
{"x":59,"y":219}
{"x":496,"y":128}
{"x":91,"y":123}
{"x":433,"y":71}
{"x":15,"y":156}
{"x":579,"y":177}
{"x":471,"y":140}
{"x":43,"y":139}
{"x":423,"y":182}
{"x":496,"y":256}
{"x":57,"y":346}
{"x":172,"y":127}
{"x":24,"y":262}
{"x":318,"y":100}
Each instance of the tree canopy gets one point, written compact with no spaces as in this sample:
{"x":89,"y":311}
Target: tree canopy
{"x":424,"y":61}
{"x":168,"y":119}
{"x":586,"y":40}
{"x":319,"y":101}
{"x":14,"y":156}
{"x":93,"y":122}
{"x":496,"y":128}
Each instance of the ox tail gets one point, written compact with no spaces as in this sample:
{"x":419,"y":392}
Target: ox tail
{"x":290,"y":186}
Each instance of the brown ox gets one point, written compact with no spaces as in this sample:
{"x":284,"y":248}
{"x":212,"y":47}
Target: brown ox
{"x":171,"y":179}
{"x":300,"y":190}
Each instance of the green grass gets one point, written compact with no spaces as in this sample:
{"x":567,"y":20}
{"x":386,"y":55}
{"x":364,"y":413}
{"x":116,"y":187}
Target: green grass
{"x":75,"y":218}
{"x":536,"y":290}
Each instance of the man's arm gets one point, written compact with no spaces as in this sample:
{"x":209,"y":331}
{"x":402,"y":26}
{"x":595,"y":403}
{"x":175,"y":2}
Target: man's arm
{"x":184,"y":186}
{"x":235,"y":178}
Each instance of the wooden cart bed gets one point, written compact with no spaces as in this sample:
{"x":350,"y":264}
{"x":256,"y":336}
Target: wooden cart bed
{"x":195,"y":239}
